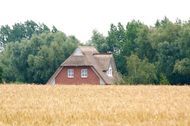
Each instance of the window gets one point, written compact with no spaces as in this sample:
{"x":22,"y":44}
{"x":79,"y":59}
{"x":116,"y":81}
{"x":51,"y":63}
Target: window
{"x":84,"y":73}
{"x":78,"y":52}
{"x":109,"y":71}
{"x":70,"y":73}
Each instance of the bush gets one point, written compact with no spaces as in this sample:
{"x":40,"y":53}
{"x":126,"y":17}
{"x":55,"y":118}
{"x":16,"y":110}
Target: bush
{"x":163,"y":79}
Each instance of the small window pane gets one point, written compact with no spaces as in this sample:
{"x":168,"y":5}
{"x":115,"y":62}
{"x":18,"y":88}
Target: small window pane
{"x":70,"y":73}
{"x":109,"y":72}
{"x":84,"y":73}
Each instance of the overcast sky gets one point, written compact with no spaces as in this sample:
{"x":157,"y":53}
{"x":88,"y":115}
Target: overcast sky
{"x":80,"y":17}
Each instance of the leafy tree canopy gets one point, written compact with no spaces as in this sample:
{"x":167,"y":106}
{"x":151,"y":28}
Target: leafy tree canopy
{"x":165,"y":47}
{"x":33,"y":52}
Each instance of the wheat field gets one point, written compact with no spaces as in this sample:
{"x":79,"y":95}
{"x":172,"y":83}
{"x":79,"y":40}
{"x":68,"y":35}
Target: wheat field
{"x":86,"y":105}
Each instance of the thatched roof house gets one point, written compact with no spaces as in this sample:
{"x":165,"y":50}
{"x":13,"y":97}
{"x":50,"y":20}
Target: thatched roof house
{"x":86,"y":66}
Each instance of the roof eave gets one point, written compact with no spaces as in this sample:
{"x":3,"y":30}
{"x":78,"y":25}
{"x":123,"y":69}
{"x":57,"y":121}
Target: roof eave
{"x":72,"y":65}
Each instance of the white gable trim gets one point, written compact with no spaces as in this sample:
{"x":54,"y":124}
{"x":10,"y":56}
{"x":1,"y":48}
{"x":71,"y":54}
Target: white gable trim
{"x":102,"y":81}
{"x":52,"y":78}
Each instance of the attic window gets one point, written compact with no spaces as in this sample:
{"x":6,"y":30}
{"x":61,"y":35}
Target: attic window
{"x":109,"y":71}
{"x":78,"y":52}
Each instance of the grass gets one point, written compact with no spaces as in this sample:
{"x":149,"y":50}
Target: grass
{"x":85,"y":105}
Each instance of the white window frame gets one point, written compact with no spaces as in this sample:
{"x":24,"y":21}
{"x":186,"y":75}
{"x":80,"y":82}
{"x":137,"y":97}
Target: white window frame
{"x":70,"y":73}
{"x":110,"y":72}
{"x":84,"y":73}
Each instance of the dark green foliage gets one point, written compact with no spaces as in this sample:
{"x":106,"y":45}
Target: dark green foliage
{"x":163,"y":51}
{"x":99,"y":41}
{"x":35,"y":60}
{"x":21,"y":31}
{"x":140,"y":71}
{"x":1,"y":72}
{"x":33,"y":52}
{"x":143,"y":54}
{"x":163,"y":79}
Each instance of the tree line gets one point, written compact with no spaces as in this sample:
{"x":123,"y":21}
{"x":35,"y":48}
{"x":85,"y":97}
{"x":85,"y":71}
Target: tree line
{"x":158,"y":54}
{"x":33,"y":52}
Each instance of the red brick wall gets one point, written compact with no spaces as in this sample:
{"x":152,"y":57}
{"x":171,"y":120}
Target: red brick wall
{"x":62,"y":78}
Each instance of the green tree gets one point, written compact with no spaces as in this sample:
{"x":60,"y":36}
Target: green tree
{"x":54,"y":29}
{"x":99,"y":41}
{"x":167,"y":59}
{"x":165,"y":45}
{"x":182,"y":66}
{"x":35,"y":60}
{"x":140,"y":71}
{"x":25,"y":30}
{"x":5,"y":33}
{"x":1,"y":71}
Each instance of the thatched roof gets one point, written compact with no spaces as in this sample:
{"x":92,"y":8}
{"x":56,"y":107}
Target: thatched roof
{"x":89,"y":56}
{"x":103,"y":59}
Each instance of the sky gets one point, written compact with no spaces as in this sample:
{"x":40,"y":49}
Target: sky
{"x":81,"y":17}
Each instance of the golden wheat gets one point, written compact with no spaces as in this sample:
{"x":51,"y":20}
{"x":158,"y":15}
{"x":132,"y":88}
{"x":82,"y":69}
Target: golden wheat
{"x":86,"y":105}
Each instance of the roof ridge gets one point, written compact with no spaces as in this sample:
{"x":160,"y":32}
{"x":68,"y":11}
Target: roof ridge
{"x":102,"y":53}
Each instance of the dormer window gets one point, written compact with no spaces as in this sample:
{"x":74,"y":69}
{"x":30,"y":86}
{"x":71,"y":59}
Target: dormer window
{"x":109,"y":71}
{"x":78,"y":52}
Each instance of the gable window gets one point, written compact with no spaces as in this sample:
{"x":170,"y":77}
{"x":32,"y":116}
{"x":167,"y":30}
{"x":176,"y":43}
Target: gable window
{"x":70,"y":73}
{"x":84,"y":73}
{"x":78,"y":52}
{"x":109,"y":71}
